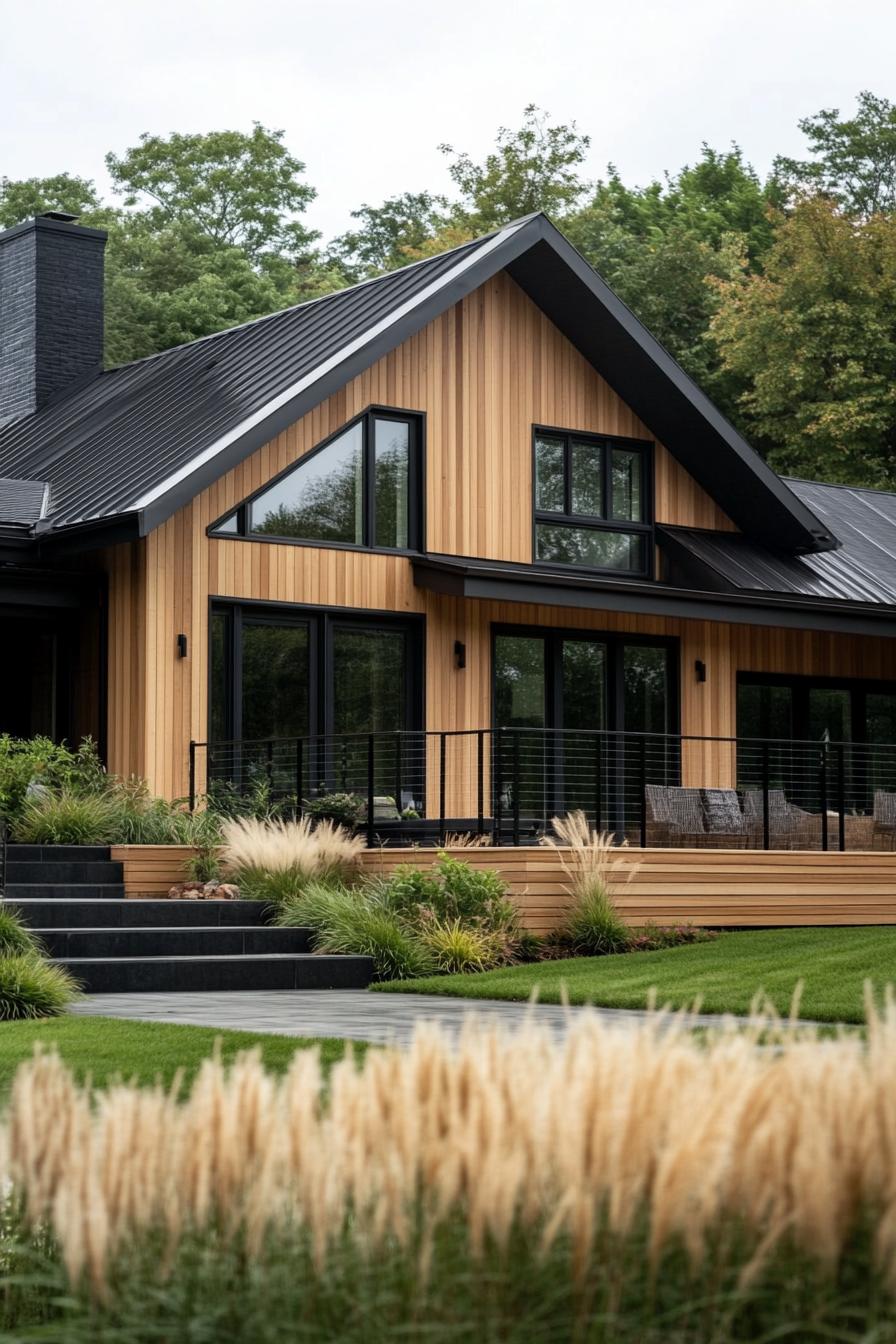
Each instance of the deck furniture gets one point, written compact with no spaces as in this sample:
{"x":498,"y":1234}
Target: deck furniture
{"x":883,"y":834}
{"x":789,"y":826}
{"x":695,"y":818}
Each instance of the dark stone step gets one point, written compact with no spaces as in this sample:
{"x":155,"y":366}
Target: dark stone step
{"x":57,"y":853}
{"x":202,"y":941}
{"x":101,"y":871}
{"x":136,"y":975}
{"x":69,"y":914}
{"x":64,"y":891}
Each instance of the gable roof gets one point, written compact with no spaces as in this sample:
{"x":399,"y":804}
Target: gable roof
{"x":863,"y":569}
{"x":139,"y":441}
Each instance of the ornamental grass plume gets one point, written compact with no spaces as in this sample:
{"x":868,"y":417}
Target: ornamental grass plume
{"x":610,"y":1155}
{"x":593,"y":863}
{"x":275,"y":859}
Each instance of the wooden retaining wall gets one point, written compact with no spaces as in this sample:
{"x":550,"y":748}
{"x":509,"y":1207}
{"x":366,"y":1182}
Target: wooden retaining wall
{"x":699,"y":886}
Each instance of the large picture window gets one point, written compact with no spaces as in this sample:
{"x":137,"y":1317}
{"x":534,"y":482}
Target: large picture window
{"x":592,"y":502}
{"x":361,"y":487}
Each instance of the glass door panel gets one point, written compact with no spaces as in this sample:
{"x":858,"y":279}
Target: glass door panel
{"x":582,"y":763}
{"x":274,"y":704}
{"x":370,"y":695}
{"x":521,"y":774}
{"x":880,"y":734}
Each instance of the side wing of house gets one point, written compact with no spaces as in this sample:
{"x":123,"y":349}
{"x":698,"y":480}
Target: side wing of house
{"x":479,"y":380}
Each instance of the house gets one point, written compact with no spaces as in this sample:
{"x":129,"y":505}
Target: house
{"x":463,"y":539}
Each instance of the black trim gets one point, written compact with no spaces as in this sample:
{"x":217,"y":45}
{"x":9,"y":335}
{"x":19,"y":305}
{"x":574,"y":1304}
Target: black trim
{"x":594,"y":522}
{"x":321,"y":622}
{"x":801,"y":684}
{"x":416,"y":422}
{"x":504,"y":582}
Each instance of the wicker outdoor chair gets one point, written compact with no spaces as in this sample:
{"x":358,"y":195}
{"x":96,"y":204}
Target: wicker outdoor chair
{"x":789,"y":826}
{"x":884,"y":820}
{"x":695,"y":818}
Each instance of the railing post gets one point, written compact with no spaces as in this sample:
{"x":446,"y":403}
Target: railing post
{"x":498,"y":787}
{"x":269,"y":766}
{"x":370,"y":787}
{"x":441,"y":788}
{"x":642,"y":789}
{"x":398,"y":807}
{"x":765,"y":815}
{"x":597,"y":782}
{"x":841,"y":799}
{"x":480,"y":782}
{"x":192,"y":775}
{"x":516,"y":788}
{"x":299,"y":774}
{"x":823,"y":795}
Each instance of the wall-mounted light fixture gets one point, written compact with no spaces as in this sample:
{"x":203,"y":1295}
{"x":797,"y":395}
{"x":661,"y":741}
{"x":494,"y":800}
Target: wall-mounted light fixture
{"x":181,"y":646}
{"x":460,"y":654}
{"x":700,"y":669}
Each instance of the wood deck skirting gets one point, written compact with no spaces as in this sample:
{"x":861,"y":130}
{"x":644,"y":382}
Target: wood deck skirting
{"x":713,"y":887}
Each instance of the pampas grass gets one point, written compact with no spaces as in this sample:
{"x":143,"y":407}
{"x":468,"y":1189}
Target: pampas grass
{"x":621,"y":1170}
{"x":593,"y":864}
{"x":275,"y":860}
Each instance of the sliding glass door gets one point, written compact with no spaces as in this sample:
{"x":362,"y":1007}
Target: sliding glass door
{"x":296,"y":693}
{"x":560,"y":691}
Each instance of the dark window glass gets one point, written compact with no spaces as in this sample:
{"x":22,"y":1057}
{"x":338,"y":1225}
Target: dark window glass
{"x":519,"y":681}
{"x":549,"y":474}
{"x":646,"y":680}
{"x":369,"y":679}
{"x":230,"y":526}
{"x":584,"y":671}
{"x":219,"y":655}
{"x":764,"y":711}
{"x":391,"y":446}
{"x":321,"y":500}
{"x":592,"y":547}
{"x":830,"y":714}
{"x":275,"y":680}
{"x":587,"y":477}
{"x":880,"y":717}
{"x":628,"y":487}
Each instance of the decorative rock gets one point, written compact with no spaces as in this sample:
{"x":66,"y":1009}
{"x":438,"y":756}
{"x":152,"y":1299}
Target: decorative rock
{"x":210,"y":889}
{"x":227,"y":892}
{"x":192,"y":888}
{"x":175,"y":893}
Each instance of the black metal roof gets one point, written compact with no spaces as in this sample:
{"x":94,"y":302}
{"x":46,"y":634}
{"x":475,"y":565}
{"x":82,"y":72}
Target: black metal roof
{"x":863,"y":569}
{"x":22,"y":502}
{"x":139,"y":441}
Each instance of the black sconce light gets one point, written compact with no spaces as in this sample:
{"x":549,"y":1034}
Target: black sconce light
{"x":700,"y":669}
{"x":181,"y":646}
{"x":460,"y":654}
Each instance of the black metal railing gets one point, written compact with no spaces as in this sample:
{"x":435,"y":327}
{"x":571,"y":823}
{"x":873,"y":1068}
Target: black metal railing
{"x":507,"y":783}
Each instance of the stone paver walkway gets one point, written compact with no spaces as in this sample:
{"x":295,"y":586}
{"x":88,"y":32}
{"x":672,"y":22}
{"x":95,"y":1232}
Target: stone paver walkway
{"x":352,"y":1014}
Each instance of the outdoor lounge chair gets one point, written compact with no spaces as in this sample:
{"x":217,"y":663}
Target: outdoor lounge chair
{"x":698,"y":818}
{"x":789,"y":826}
{"x":884,"y":820}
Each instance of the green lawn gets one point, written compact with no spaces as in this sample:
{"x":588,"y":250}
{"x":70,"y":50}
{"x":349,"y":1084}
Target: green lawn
{"x":106,"y":1046}
{"x":724,"y":975}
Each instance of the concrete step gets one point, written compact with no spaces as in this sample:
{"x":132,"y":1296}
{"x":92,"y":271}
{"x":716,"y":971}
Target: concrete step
{"x":70,"y":914}
{"x":136,"y":975}
{"x":64,"y":891}
{"x":57,"y":853}
{"x":223,"y":940}
{"x":59,"y":873}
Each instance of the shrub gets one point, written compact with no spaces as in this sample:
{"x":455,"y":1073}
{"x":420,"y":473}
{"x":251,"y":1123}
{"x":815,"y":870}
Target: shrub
{"x":275,"y":860}
{"x":54,"y":766}
{"x":653,"y":937}
{"x":67,"y":818}
{"x":32,"y":987}
{"x":16,"y":939}
{"x":457,"y":947}
{"x":351,"y":922}
{"x":342,"y":809}
{"x":591,"y":861}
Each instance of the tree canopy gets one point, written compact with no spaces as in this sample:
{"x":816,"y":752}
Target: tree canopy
{"x":778,"y":296}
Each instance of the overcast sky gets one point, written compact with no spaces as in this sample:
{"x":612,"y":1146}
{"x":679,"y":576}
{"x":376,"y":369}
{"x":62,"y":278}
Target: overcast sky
{"x":366,"y":89}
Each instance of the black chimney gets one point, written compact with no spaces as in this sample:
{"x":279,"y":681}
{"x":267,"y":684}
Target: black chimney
{"x":51,"y":311}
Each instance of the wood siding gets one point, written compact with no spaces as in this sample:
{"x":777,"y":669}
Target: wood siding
{"x":482,"y":374}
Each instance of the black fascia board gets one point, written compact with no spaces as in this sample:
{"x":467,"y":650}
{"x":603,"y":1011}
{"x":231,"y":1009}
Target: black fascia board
{"x":643,"y":373}
{"x":501,"y":582}
{"x":421,"y":313}
{"x":78,"y":538}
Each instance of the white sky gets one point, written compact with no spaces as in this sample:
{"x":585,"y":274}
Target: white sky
{"x":366,"y":89}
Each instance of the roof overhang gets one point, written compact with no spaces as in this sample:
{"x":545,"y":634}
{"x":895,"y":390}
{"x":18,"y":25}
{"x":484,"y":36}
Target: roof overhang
{"x":496,"y":581}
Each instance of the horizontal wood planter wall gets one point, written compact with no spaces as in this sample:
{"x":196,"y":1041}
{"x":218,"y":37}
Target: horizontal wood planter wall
{"x":698,"y":886}
{"x":701,"y":886}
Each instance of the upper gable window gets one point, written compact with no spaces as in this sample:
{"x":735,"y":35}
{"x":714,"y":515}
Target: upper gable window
{"x":592,"y":502}
{"x":358,"y":488}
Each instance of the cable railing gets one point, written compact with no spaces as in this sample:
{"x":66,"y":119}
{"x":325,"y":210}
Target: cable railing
{"x":505,"y":784}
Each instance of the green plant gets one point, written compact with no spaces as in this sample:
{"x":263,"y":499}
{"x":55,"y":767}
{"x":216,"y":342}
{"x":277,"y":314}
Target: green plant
{"x":349,"y":921}
{"x":53,"y":766}
{"x":67,"y":818}
{"x":457,"y":947}
{"x":204,"y":865}
{"x":15,"y":938}
{"x":32,"y":987}
{"x":592,"y":862}
{"x":343,"y":809}
{"x":275,"y":860}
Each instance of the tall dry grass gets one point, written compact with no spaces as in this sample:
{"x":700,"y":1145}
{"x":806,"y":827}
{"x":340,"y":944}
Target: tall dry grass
{"x":274,"y":859}
{"x":594,"y":866}
{"x":719,"y":1152}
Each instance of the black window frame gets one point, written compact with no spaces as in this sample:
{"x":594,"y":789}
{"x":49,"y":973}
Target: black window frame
{"x":321,"y":620}
{"x":801,"y":684}
{"x":593,"y":522}
{"x":416,"y":422}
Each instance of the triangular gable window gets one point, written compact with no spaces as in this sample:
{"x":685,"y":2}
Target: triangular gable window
{"x":358,"y":488}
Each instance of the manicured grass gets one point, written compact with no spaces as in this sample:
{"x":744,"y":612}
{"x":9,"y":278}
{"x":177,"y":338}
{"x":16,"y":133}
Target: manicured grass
{"x":724,"y":975}
{"x":104,"y":1047}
